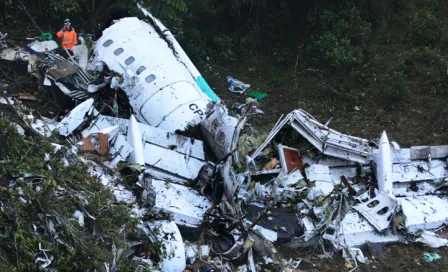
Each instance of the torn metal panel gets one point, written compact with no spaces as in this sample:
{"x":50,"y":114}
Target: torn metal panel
{"x":329,"y":141}
{"x":320,"y":175}
{"x":424,"y":212}
{"x":222,"y":131}
{"x":292,"y":179}
{"x":163,"y":175}
{"x":428,"y":152}
{"x":134,"y":138}
{"x":153,"y":135}
{"x":268,"y":234}
{"x":403,"y":189}
{"x":350,"y":172}
{"x":378,"y":210}
{"x":326,"y":160}
{"x":402,"y":155}
{"x":384,"y":166}
{"x":43,"y":46}
{"x":187,"y":205}
{"x":355,"y":231}
{"x":275,"y":130}
{"x":75,"y":118}
{"x":12,"y":54}
{"x":230,"y":183}
{"x":171,"y":161}
{"x":326,"y":140}
{"x":120,"y":150}
{"x":419,"y":171}
{"x":161,"y":90}
{"x":63,"y":70}
{"x":289,"y":159}
{"x":7,"y":101}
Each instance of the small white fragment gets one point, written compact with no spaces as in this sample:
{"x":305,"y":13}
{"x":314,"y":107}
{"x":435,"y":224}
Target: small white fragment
{"x":20,"y":130}
{"x":431,"y":239}
{"x":205,"y":250}
{"x":6,"y":102}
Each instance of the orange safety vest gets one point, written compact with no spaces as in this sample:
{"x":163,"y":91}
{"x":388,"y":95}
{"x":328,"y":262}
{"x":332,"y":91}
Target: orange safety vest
{"x":69,"y":38}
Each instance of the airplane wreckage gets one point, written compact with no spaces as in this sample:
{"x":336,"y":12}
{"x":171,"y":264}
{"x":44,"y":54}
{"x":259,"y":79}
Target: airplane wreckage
{"x":303,"y":185}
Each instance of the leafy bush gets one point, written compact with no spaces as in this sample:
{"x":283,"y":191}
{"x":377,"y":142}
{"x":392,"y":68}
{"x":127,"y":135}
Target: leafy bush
{"x":394,"y":89}
{"x":423,"y":27}
{"x":224,"y":47}
{"x":341,"y":38}
{"x":339,"y":52}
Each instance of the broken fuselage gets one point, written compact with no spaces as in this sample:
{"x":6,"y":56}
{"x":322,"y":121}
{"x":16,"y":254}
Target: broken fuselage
{"x":160,"y":87}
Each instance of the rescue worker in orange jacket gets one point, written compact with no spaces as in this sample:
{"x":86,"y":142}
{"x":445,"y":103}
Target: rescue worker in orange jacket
{"x":68,"y":36}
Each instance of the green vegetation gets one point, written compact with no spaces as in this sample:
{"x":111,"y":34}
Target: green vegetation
{"x":38,"y":197}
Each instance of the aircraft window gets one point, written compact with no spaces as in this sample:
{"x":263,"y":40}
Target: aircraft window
{"x":118,"y":51}
{"x":129,"y":60}
{"x":150,"y":78}
{"x":108,"y":43}
{"x":140,"y":70}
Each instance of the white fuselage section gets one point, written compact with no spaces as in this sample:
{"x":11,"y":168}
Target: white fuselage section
{"x":161,"y":90}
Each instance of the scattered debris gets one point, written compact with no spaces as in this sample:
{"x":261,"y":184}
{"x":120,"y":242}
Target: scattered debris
{"x":431,"y":257}
{"x":258,"y":95}
{"x":237,"y":86}
{"x":431,"y":239}
{"x":177,"y":168}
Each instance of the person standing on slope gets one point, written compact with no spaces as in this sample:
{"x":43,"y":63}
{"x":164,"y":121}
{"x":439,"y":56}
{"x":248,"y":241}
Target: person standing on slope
{"x":68,"y":36}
